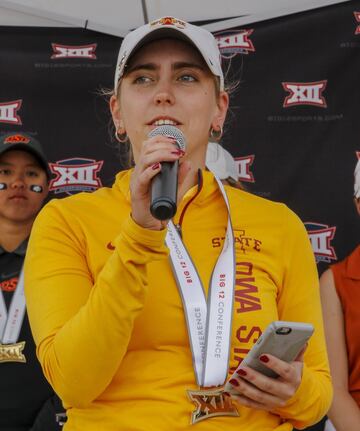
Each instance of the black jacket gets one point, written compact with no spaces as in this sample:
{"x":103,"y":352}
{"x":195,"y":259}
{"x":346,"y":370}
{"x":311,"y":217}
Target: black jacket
{"x":27,"y":401}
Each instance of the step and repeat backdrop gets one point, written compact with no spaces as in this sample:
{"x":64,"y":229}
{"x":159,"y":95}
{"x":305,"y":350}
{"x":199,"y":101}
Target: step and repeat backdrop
{"x":293,"y":128}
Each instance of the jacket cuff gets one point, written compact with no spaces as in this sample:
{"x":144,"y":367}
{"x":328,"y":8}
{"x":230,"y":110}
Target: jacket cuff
{"x":300,"y":409}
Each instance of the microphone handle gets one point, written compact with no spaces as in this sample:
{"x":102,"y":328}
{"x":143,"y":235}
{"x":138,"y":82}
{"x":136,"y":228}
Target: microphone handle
{"x":164,"y":191}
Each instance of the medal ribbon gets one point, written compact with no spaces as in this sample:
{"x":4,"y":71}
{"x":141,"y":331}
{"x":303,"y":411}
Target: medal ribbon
{"x":208,"y":322}
{"x":10,"y":323}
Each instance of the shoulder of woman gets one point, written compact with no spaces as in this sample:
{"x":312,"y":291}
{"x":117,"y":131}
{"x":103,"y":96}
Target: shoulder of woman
{"x":82,"y":201}
{"x":327,"y":278}
{"x":255,"y":200}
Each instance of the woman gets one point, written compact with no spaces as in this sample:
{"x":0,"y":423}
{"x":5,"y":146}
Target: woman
{"x":113,"y":336}
{"x":340,"y":287}
{"x":27,"y":401}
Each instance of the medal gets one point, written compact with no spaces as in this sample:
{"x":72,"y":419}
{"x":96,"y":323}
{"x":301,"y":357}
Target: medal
{"x":208,"y":320}
{"x":10,"y":325}
{"x":211,"y":403}
{"x":12,"y":352}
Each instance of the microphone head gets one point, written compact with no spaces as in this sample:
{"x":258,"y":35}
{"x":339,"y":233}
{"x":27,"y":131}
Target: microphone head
{"x":168,"y":130}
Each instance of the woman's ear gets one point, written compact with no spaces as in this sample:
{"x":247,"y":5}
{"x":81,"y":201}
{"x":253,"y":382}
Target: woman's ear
{"x":222,"y":108}
{"x":115,"y":112}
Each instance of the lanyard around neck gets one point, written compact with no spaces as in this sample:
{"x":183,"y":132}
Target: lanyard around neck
{"x":11,"y":322}
{"x":208,"y":321}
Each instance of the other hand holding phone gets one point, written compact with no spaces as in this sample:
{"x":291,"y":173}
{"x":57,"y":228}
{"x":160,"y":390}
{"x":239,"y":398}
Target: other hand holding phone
{"x":264,"y":381}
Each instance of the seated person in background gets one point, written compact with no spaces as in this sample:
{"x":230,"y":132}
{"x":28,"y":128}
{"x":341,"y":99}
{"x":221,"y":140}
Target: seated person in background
{"x":27,"y":401}
{"x":340,"y":295}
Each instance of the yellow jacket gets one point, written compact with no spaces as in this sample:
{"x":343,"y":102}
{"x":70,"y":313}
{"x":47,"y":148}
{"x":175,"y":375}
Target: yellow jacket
{"x":108,"y":320}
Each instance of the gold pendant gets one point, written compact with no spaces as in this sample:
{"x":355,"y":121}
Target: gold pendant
{"x":12,"y":352}
{"x":210,"y":403}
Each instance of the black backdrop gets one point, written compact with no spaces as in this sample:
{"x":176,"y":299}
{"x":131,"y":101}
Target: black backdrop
{"x":294,"y":126}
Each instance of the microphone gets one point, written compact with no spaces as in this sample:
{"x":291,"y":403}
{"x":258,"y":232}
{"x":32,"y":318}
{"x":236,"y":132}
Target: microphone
{"x":165,"y":184}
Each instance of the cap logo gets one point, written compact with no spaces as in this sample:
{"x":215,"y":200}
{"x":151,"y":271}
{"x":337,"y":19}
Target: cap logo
{"x":16,"y":139}
{"x":169,"y":20}
{"x":121,"y":62}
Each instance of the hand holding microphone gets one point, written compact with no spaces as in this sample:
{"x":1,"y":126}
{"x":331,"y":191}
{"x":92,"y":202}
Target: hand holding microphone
{"x":154,"y":202}
{"x":165,"y":184}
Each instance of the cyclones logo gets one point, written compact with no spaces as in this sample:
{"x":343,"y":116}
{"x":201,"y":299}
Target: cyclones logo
{"x":169,"y":20}
{"x":8,"y":112}
{"x":234,"y":42}
{"x":75,"y":175}
{"x":78,"y":51}
{"x":320,"y":236}
{"x":357,"y":17}
{"x":305,"y":93}
{"x":242,"y":241}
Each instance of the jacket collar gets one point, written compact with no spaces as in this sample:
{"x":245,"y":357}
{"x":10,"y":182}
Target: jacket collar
{"x":200,"y":193}
{"x":20,"y":250}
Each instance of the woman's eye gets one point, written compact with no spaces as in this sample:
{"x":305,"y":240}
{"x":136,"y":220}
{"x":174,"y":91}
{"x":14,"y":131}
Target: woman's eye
{"x":5,"y":172}
{"x":32,"y":174}
{"x":142,"y":80}
{"x":187,"y":78}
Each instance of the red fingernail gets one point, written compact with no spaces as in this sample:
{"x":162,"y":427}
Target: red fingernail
{"x":264,"y":358}
{"x":234,"y":382}
{"x":155,"y":166}
{"x":241,"y":372}
{"x":177,"y":152}
{"x":227,"y":394}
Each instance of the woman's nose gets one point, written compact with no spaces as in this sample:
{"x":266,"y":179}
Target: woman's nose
{"x":18,"y":183}
{"x":164,"y":95}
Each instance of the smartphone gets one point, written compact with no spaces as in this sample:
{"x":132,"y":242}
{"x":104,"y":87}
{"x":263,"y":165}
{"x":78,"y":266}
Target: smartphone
{"x":281,"y":339}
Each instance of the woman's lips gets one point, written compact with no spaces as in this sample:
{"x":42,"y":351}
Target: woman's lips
{"x":18,"y":197}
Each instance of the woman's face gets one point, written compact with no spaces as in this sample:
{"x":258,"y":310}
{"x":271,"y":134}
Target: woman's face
{"x":19,"y":170}
{"x":168,"y":82}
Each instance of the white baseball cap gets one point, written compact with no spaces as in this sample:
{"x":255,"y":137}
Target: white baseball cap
{"x":357,"y":180}
{"x":220,"y":162}
{"x":171,"y":27}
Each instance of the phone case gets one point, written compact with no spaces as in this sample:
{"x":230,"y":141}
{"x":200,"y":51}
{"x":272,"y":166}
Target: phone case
{"x":281,"y":339}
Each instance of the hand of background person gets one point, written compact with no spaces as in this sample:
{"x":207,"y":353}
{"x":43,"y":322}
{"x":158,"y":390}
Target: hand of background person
{"x":46,"y":418}
{"x":155,"y":150}
{"x":253,"y":389}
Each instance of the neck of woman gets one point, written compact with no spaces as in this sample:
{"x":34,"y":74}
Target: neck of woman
{"x":13,"y":234}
